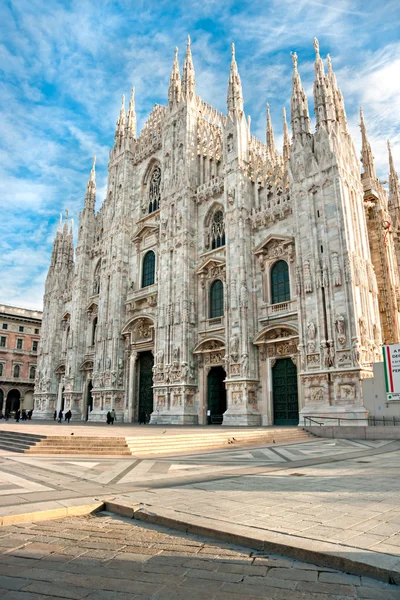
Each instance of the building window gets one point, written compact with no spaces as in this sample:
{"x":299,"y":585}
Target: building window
{"x":217,"y":230}
{"x":155,"y":190}
{"x":16,"y":371}
{"x":3,"y":341}
{"x":19,"y":343}
{"x":1,"y":369}
{"x":94,"y":328}
{"x":149,"y":269}
{"x":32,"y":372}
{"x":21,"y":328}
{"x":35,"y":345}
{"x":37,"y":331}
{"x":280,"y":288}
{"x":96,"y":280}
{"x":5,"y":326}
{"x":216,"y":299}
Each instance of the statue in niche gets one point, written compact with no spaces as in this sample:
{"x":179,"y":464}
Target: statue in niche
{"x":234,"y":345}
{"x":175,"y":355}
{"x":184,"y":371}
{"x":108,"y":363}
{"x":311,"y":336}
{"x":245,"y":364}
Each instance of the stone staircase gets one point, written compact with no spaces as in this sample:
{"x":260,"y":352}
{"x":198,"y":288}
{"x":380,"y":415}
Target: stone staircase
{"x":164,"y":443}
{"x":18,"y":442}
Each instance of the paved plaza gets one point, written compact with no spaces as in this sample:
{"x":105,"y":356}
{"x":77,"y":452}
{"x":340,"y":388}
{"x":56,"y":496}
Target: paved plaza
{"x":338,"y":495}
{"x":106,"y":558}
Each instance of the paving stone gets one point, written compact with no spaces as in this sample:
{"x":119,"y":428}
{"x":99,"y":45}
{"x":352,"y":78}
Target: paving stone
{"x":340,"y":578}
{"x":212,"y":575}
{"x":293,"y":574}
{"x":326,"y":588}
{"x":57,"y":589}
{"x":12,"y":583}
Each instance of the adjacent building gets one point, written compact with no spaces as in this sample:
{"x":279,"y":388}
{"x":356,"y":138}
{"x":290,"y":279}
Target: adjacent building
{"x":19,"y":346}
{"x":222,"y":280}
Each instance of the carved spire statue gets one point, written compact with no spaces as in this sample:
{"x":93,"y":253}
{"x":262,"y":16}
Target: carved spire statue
{"x":119,"y":132}
{"x":90,"y":197}
{"x":286,"y":138}
{"x":394,"y":184}
{"x":188,"y":78}
{"x":337,"y":96}
{"x":235,"y":94}
{"x":131,"y":116}
{"x":270,"y":137}
{"x":299,"y":107}
{"x":367,"y":158}
{"x":174,"y":90}
{"x":324,"y":105}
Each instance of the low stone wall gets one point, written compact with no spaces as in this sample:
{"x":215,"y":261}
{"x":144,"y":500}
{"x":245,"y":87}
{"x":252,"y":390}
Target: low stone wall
{"x":343,"y":432}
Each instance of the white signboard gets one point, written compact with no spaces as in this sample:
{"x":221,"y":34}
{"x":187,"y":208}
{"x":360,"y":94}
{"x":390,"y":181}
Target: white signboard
{"x":391,"y":361}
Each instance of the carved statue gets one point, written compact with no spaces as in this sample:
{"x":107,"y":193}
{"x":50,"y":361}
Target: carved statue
{"x":108,"y":363}
{"x":311,"y":331}
{"x":175,"y":354}
{"x":160,"y":358}
{"x":331,"y":353}
{"x":340,"y":325}
{"x":234,"y":346}
{"x":184,"y":371}
{"x":245,"y":365}
{"x":307,"y":276}
{"x":356,"y":352}
{"x":336,"y":273}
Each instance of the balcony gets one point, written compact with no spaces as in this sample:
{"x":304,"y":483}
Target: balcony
{"x":274,"y":311}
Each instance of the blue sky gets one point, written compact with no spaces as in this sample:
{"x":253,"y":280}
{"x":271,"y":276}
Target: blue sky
{"x":65,"y":64}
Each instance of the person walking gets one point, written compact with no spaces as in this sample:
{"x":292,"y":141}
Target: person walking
{"x":30,"y":413}
{"x":17,"y":415}
{"x":60,"y":416}
{"x":55,"y":415}
{"x":68,"y":415}
{"x":113,"y":416}
{"x":108,"y":418}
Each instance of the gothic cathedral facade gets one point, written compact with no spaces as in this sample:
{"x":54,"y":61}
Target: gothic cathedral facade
{"x":222,"y":281}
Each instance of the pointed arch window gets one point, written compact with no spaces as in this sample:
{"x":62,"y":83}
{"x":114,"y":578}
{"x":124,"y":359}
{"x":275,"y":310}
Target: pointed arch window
{"x":217,"y":230}
{"x":280,"y":286}
{"x":149,"y":269}
{"x":94,"y":329}
{"x":16,"y":371}
{"x":216,"y":299}
{"x":155,"y":189}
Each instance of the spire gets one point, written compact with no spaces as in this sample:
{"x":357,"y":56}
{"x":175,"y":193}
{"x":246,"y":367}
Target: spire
{"x":235,"y":94}
{"x":90,"y":197}
{"x":367,"y":158}
{"x":340,"y":110}
{"x":299,"y":107}
{"x":65,"y":229}
{"x":174,"y":90}
{"x":131,"y":117}
{"x":119,"y":132}
{"x":394,"y":184}
{"x":324,"y":106}
{"x":188,"y":79}
{"x":270,"y":136}
{"x":286,"y":138}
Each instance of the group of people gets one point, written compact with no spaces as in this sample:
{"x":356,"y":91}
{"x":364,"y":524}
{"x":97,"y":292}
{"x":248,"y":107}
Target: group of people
{"x":111,"y":417}
{"x":19,"y":415}
{"x":67,"y":416}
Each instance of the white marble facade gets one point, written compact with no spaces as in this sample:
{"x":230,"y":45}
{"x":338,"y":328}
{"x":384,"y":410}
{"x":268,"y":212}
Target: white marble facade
{"x":215,"y":204}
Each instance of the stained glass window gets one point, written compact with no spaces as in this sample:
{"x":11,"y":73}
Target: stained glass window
{"x":149,"y":268}
{"x":216,"y":299}
{"x":280,"y":289}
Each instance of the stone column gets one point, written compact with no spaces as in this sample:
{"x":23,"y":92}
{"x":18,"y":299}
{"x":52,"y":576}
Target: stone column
{"x":132,"y":381}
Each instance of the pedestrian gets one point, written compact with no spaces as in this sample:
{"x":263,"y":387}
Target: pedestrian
{"x":23,"y":416}
{"x":68,"y":415}
{"x":108,"y":418}
{"x":1,"y":415}
{"x":60,"y":416}
{"x":55,"y":415}
{"x":17,"y":415}
{"x":113,"y":416}
{"x":7,"y":414}
{"x":142,"y":417}
{"x":30,"y":413}
{"x":146,"y":418}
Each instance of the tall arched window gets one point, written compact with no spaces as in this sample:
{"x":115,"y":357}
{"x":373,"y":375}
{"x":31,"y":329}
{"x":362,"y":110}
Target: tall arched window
{"x":217,"y":230}
{"x":16,"y":370}
{"x":216,"y":299}
{"x":149,"y":269}
{"x":155,"y":189}
{"x":96,"y":280}
{"x":94,"y":328}
{"x":280,"y":288}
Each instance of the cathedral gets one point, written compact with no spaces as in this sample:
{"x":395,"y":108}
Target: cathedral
{"x":222,"y":281}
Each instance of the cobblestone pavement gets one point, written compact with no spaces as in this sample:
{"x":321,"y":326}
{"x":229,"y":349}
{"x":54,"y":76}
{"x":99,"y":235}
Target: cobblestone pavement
{"x":107,"y":558}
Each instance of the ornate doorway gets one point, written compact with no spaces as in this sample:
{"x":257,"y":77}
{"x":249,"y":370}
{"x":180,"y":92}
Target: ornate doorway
{"x":284,"y":389}
{"x":145,"y":405}
{"x":216,"y":395}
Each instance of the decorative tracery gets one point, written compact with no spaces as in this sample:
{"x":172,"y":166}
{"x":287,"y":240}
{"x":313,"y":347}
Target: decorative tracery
{"x":217,"y":233}
{"x":155,"y":189}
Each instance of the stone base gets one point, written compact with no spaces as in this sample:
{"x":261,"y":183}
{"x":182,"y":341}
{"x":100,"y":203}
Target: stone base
{"x":331,"y":415}
{"x":43,"y":415}
{"x":100,"y":416}
{"x":170,"y":418}
{"x":233,"y":418}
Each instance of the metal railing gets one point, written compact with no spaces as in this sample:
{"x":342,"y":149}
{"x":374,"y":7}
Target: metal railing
{"x":372,"y":421}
